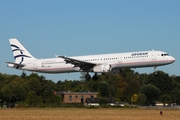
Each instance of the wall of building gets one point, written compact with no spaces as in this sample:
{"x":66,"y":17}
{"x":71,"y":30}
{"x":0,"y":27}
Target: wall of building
{"x":77,"y":98}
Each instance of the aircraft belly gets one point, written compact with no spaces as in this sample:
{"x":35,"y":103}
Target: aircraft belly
{"x":57,"y":70}
{"x":140,"y":64}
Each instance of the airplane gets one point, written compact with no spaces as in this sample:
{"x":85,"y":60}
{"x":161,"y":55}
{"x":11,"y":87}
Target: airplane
{"x":100,"y":63}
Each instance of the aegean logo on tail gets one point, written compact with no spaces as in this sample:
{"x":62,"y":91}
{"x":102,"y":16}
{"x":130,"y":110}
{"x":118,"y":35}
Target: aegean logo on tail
{"x":21,"y":52}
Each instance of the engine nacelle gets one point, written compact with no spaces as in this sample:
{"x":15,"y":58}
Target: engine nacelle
{"x":102,"y":68}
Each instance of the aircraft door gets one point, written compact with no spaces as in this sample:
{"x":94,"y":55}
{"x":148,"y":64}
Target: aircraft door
{"x":120,"y":59}
{"x":153,"y":55}
{"x":35,"y":65}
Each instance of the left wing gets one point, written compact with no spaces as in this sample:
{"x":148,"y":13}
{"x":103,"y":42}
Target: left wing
{"x":85,"y":66}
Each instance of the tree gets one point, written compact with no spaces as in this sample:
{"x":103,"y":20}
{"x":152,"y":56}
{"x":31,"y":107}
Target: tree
{"x":143,"y":79}
{"x":103,"y":101}
{"x":118,"y":95}
{"x":134,"y":99}
{"x":161,"y":80}
{"x":32,"y":99}
{"x":15,"y":89}
{"x":165,"y":98}
{"x":151,"y":92}
{"x":92,"y":85}
{"x":175,"y":96}
{"x":104,"y":89}
{"x":48,"y":96}
{"x":34,"y":85}
{"x":133,"y":84}
{"x":141,"y":99}
{"x":1,"y":99}
{"x":121,"y":88}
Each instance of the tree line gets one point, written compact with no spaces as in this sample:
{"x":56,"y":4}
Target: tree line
{"x":131,"y":87}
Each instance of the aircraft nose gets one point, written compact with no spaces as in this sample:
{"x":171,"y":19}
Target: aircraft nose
{"x":173,"y":59}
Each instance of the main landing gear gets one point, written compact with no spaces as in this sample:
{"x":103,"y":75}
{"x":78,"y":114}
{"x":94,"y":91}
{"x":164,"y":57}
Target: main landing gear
{"x":95,"y":77}
{"x":88,"y":77}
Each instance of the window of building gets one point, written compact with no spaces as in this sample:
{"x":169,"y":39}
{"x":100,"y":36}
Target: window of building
{"x":70,"y":98}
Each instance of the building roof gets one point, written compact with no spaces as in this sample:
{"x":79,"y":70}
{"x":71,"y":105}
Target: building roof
{"x":60,"y":93}
{"x":80,"y":93}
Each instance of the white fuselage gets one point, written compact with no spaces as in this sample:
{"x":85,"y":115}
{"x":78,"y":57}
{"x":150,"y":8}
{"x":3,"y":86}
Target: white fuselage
{"x":116,"y":60}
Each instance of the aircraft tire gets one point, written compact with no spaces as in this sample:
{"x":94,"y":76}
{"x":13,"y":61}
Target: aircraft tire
{"x":87,"y":76}
{"x":95,"y":77}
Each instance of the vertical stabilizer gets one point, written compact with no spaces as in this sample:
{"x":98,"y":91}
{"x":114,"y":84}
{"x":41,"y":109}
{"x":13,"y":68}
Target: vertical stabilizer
{"x":20,"y":53}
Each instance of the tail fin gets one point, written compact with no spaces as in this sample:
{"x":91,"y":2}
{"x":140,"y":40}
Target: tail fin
{"x":20,"y":53}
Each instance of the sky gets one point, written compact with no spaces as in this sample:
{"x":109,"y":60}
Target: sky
{"x":85,"y":27}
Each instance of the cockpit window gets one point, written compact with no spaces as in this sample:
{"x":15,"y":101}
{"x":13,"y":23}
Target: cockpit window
{"x":164,"y":54}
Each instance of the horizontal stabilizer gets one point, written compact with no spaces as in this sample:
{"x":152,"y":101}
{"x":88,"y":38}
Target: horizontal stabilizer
{"x":20,"y":65}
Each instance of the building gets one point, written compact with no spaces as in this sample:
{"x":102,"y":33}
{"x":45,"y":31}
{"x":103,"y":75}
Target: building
{"x":76,"y":97}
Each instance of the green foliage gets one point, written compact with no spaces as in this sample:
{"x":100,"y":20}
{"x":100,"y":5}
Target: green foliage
{"x":34,"y":90}
{"x":103,"y":101}
{"x":14,"y":88}
{"x":33,"y":99}
{"x":162,"y":81}
{"x":118,"y":95}
{"x":165,"y":98}
{"x":151,"y":92}
{"x":104,"y":89}
{"x":92,"y":85}
{"x":175,"y":96}
{"x":141,"y":99}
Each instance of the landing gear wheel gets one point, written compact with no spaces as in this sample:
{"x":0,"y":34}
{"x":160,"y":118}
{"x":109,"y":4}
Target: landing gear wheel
{"x":95,"y":77}
{"x":87,"y":76}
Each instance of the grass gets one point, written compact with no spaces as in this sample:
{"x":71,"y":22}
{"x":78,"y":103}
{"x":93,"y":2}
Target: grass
{"x":88,"y":114}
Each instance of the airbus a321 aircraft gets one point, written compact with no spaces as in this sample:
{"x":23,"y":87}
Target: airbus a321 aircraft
{"x":102,"y":63}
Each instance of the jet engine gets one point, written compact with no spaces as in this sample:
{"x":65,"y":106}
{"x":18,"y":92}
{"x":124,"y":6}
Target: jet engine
{"x":102,"y":68}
